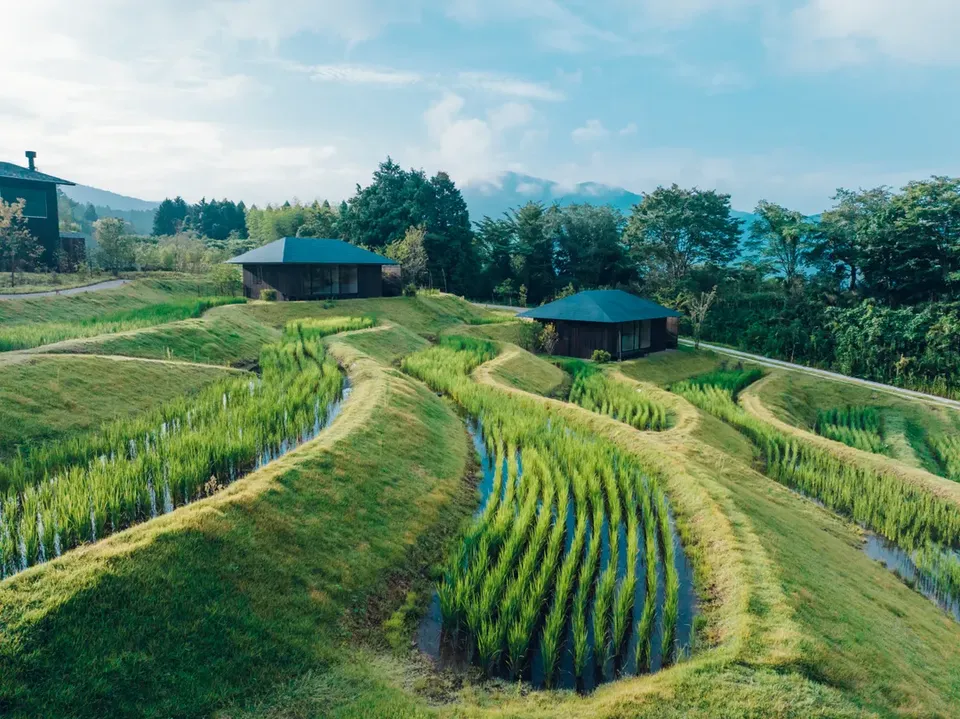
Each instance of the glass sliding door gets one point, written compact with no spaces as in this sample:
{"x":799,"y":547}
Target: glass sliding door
{"x":629,"y":339}
{"x":348,"y":279}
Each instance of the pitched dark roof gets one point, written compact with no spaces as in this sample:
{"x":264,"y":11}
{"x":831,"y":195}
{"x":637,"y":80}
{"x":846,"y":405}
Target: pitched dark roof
{"x":310,"y":251}
{"x":15,"y":172}
{"x":607,"y":306}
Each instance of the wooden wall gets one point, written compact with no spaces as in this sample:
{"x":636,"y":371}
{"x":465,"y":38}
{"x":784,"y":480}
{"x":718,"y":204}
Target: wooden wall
{"x":292,"y":282}
{"x":580,"y":339}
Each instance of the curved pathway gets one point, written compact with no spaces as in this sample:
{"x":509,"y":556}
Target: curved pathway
{"x":107,"y":285}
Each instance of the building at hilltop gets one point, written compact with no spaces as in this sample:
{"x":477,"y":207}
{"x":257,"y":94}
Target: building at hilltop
{"x":308,"y":268}
{"x":613,"y":320}
{"x":39,"y":192}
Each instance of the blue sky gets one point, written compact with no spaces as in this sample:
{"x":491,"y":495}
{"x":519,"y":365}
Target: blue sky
{"x":254,"y":99}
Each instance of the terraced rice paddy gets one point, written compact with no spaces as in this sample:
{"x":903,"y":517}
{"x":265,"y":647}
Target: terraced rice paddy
{"x":923,"y":526}
{"x":571,"y":572}
{"x":68,"y":493}
{"x":24,"y":336}
{"x":592,"y":390}
{"x":858,"y":427}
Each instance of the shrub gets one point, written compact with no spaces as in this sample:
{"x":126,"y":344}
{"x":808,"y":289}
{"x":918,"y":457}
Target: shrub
{"x":547,"y":338}
{"x":268,"y":295}
{"x":601,"y":356}
{"x":410,"y":290}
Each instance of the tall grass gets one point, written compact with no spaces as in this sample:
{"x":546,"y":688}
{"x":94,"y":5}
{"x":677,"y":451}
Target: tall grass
{"x":593,"y":390}
{"x":70,"y":493}
{"x":24,"y":336}
{"x":904,"y":513}
{"x":946,"y":448}
{"x":854,"y":426}
{"x":509,"y":585}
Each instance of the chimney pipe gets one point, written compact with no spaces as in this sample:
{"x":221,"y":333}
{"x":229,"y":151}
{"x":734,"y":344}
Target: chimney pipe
{"x":31,"y":156}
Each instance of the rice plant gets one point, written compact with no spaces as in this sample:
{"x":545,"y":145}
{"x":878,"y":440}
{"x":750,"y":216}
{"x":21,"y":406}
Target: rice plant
{"x":593,"y":390}
{"x":512,"y":584}
{"x":854,"y":426}
{"x":24,"y":336}
{"x":69,"y":493}
{"x":906,"y":514}
{"x":946,"y":448}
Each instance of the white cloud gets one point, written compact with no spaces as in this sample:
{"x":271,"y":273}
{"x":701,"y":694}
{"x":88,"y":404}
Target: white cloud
{"x":593,"y":130}
{"x":831,"y":33}
{"x":361,"y":75}
{"x":629,"y":129}
{"x":510,"y":115}
{"x":553,"y":25}
{"x":512,"y":86}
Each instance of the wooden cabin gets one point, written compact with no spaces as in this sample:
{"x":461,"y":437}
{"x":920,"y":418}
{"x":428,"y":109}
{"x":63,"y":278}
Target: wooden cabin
{"x":613,"y":320}
{"x":39,"y":193}
{"x":309,"y":268}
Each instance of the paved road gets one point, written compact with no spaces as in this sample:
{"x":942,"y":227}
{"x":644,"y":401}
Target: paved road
{"x":108,"y":285}
{"x":766,"y":361}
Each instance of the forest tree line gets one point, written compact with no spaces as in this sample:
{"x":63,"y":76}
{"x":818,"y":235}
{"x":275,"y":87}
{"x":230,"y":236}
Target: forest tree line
{"x":871,"y":287}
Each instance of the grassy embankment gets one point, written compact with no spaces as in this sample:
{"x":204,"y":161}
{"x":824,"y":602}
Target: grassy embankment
{"x":44,"y":399}
{"x":909,"y":428}
{"x":258,"y":598}
{"x":862,"y":630}
{"x":220,"y":600}
{"x":49,"y":281}
{"x":34,"y":322}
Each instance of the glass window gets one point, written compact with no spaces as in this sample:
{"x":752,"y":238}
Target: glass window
{"x":628,"y":337}
{"x":36,"y":199}
{"x":348,"y":279}
{"x":645,"y":334}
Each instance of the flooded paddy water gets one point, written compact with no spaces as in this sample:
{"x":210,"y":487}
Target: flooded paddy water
{"x":456,"y":651}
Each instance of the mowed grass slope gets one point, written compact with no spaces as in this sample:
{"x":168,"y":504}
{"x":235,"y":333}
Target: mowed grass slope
{"x":45,"y":398}
{"x":530,"y":373}
{"x":224,"y":335}
{"x":222,"y":600}
{"x":795,"y":398}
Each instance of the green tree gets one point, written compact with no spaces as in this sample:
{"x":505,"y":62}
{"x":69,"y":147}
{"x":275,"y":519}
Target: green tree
{"x":449,"y":238}
{"x":495,"y":244}
{"x":227,"y":279}
{"x":783,"y":237}
{"x":18,"y":246}
{"x":170,"y":216}
{"x":846,"y":229}
{"x":672,"y":229}
{"x":411,"y":255}
{"x":115,"y":248}
{"x":90,"y":214}
{"x":322,"y":221}
{"x":534,"y":252}
{"x":589,"y":245}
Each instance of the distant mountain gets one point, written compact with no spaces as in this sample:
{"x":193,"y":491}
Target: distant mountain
{"x":513,"y":190}
{"x":104,"y":198}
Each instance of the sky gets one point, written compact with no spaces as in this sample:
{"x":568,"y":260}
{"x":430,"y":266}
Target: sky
{"x":261,"y":100}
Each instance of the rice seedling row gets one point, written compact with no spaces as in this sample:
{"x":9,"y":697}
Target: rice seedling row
{"x":903,"y":513}
{"x":69,"y":493}
{"x":858,"y":427}
{"x":528,"y":591}
{"x":24,"y":336}
{"x":593,"y":390}
{"x":946,"y":448}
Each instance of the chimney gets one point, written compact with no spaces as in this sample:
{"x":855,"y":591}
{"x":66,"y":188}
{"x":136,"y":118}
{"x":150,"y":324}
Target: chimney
{"x":31,"y":156}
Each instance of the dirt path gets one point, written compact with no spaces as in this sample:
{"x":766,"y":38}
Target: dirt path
{"x":767,"y":362}
{"x":96,"y":287}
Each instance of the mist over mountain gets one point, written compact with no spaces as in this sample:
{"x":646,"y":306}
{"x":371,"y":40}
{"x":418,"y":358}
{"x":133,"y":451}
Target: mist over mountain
{"x":511,"y":189}
{"x":104,"y":198}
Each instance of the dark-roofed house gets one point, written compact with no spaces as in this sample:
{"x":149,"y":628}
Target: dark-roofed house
{"x":613,"y":320}
{"x":39,"y":191}
{"x":307,"y":268}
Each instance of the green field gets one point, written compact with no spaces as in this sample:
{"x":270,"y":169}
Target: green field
{"x":298,"y":590}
